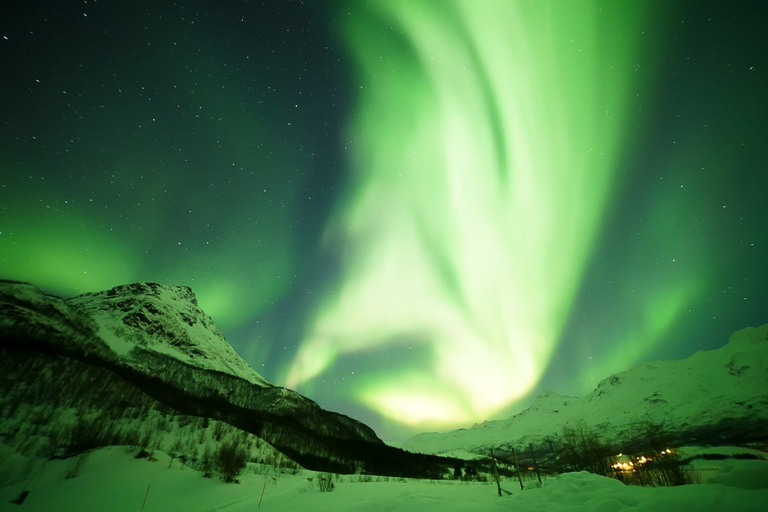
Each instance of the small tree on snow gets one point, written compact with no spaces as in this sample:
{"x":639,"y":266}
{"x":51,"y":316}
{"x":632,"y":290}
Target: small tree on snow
{"x":230,"y":459}
{"x":326,"y":482}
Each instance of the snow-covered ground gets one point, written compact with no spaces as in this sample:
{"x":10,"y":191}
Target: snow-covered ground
{"x":112,"y":479}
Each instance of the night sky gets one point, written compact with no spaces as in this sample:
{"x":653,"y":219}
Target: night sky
{"x":419,"y":213}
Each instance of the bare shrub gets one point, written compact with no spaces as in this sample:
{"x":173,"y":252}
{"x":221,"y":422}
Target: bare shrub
{"x":148,"y":438}
{"x":87,"y":434}
{"x":176,"y":451}
{"x":584,"y":449}
{"x":661,"y":465}
{"x":230,"y":459}
{"x":76,"y":465}
{"x":206,"y":463}
{"x":218,"y":430}
{"x":325,"y":482}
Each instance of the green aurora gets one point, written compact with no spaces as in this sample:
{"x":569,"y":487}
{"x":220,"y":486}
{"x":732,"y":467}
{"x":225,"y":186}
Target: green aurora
{"x":488,"y":146}
{"x":419,"y":213}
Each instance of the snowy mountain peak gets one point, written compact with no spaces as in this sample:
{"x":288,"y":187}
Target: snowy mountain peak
{"x":166,"y":320}
{"x":750,"y":336}
{"x":722,"y":392}
{"x":549,"y":401}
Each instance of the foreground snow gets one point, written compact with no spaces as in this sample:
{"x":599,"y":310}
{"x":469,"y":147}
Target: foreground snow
{"x":111,"y":479}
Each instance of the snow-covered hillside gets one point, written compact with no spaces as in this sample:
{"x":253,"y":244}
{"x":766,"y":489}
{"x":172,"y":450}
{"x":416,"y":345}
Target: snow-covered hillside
{"x":128,"y":320}
{"x":718,"y":390}
{"x":93,"y":359}
{"x":165,"y":320}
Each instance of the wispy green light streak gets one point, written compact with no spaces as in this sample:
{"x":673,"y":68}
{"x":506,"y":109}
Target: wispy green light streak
{"x":487,"y":138}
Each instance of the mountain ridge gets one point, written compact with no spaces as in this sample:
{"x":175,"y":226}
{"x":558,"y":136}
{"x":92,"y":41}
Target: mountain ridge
{"x":714,"y":393}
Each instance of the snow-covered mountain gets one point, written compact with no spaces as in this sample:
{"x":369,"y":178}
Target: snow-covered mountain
{"x":147,"y":353}
{"x":165,"y":320}
{"x":717,"y":394}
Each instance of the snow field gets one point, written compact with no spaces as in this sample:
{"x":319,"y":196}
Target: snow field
{"x":112,"y":479}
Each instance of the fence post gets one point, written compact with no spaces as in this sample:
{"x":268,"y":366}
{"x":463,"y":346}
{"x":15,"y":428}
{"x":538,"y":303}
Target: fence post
{"x":517,"y":466}
{"x":145,"y":496}
{"x":535,"y":464}
{"x":496,"y":472}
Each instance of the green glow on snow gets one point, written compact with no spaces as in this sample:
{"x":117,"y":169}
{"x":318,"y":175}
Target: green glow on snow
{"x":485,"y":140}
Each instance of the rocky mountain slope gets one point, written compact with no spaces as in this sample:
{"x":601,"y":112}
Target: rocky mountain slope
{"x":711,"y":397}
{"x":146,"y":347}
{"x":164,"y":320}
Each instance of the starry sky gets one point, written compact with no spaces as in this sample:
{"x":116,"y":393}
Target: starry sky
{"x":419,"y":213}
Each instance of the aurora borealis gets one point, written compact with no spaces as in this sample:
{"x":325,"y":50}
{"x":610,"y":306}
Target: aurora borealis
{"x":478,"y":160}
{"x":417,"y":213}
